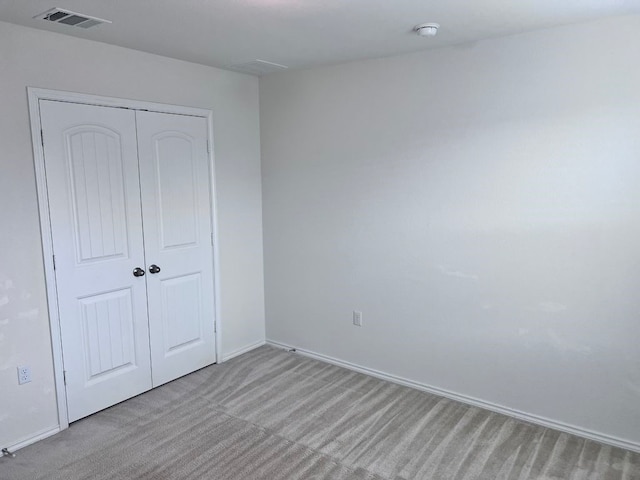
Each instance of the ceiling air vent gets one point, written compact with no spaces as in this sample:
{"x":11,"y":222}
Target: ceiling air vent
{"x":67,"y":17}
{"x":257,"y":67}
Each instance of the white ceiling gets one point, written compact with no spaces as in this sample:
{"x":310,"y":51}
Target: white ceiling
{"x":305,"y":33}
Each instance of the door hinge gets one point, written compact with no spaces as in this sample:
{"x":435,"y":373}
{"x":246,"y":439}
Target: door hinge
{"x":212,"y":239}
{"x":64,"y":376}
{"x":54,"y":261}
{"x":42,"y":137}
{"x":208,"y":147}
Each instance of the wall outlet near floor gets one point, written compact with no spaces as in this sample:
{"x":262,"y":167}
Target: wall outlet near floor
{"x":24,"y":374}
{"x":357,"y":318}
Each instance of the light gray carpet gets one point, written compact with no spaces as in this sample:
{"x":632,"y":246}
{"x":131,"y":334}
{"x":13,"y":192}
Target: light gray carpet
{"x":272,"y":415}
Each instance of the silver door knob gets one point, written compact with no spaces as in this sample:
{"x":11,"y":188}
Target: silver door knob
{"x":138,"y":272}
{"x":154,"y":268}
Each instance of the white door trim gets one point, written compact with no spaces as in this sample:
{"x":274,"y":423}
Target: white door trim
{"x":34,"y":97}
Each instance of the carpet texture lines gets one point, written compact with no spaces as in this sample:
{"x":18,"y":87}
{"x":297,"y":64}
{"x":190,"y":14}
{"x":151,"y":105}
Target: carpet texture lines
{"x":275,"y":415}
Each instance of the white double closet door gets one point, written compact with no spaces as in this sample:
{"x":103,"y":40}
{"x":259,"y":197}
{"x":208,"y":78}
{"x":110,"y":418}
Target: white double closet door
{"x":130,"y":212}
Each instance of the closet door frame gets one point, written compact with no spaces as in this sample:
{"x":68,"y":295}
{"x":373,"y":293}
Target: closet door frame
{"x":34,"y":96}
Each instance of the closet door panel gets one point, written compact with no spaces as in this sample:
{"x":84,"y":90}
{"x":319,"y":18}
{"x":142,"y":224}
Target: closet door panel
{"x":91,"y":163}
{"x":176,"y":203}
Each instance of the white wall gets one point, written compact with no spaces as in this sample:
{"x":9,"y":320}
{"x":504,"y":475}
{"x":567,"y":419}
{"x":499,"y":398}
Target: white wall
{"x":36,"y":58}
{"x":480,"y":205}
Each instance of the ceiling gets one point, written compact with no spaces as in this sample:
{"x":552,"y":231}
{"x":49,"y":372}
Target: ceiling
{"x":305,"y":33}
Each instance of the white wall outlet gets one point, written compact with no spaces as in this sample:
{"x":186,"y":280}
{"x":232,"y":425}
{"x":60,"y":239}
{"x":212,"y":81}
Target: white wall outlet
{"x":357,"y":318}
{"x":24,"y":374}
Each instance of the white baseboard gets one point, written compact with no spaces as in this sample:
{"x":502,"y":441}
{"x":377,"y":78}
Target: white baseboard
{"x":41,"y":435}
{"x":240,"y":351}
{"x":527,"y":417}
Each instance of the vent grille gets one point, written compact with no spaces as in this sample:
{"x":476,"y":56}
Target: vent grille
{"x":257,"y":67}
{"x":67,"y":17}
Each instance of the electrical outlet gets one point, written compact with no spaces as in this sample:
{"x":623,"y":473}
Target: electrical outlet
{"x":357,"y":318}
{"x":24,"y":374}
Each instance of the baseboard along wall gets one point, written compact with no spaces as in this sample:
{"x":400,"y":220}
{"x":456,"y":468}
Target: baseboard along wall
{"x":240,"y":351}
{"x":41,"y":435}
{"x":527,"y":417}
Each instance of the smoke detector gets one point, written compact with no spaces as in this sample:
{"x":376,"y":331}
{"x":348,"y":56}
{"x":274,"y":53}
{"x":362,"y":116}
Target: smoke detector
{"x":67,"y":17}
{"x":427,"y":29}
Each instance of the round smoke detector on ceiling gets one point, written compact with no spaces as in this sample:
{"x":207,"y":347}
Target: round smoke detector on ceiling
{"x":427,"y":29}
